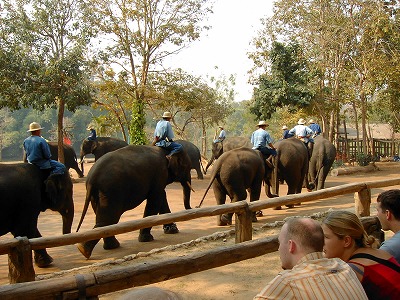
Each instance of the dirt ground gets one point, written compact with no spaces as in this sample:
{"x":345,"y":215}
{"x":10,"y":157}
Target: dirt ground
{"x":236,"y":281}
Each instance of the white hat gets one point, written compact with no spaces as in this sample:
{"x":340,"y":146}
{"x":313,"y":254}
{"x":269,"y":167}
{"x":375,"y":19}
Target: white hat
{"x":221,"y":127}
{"x":167,"y":114}
{"x":34,"y":126}
{"x":90,"y":127}
{"x":262,"y":123}
{"x":284,"y":127}
{"x":311,"y":121}
{"x":301,"y":122}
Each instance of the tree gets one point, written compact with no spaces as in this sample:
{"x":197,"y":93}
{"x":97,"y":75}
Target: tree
{"x":42,"y":61}
{"x":285,"y":84}
{"x":139,"y":35}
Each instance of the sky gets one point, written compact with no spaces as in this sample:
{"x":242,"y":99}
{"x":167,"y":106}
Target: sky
{"x":234,"y":24}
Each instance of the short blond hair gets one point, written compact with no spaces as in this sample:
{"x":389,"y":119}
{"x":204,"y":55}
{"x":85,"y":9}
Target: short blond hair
{"x":344,"y":223}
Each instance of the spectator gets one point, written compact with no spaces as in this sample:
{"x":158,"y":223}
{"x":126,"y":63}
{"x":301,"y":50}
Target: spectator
{"x":388,"y":212}
{"x":221,"y":136}
{"x":307,"y":274}
{"x":303,"y":133}
{"x":38,"y":151}
{"x":286,"y":134}
{"x":314,"y":127}
{"x":92,"y":135}
{"x":377,"y":270}
{"x":163,"y":136}
{"x":150,"y":293}
{"x":262,"y":142}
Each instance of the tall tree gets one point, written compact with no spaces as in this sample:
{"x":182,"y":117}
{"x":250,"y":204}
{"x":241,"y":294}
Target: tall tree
{"x":42,"y":56}
{"x":139,"y":35}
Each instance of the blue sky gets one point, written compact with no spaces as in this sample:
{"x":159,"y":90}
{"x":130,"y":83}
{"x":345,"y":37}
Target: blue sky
{"x":234,"y":24}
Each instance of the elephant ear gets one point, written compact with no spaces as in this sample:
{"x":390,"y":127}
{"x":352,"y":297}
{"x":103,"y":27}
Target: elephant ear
{"x":54,"y":190}
{"x":93,"y":145}
{"x":178,"y":166}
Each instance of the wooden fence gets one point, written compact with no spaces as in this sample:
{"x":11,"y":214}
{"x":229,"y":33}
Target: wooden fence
{"x":107,"y":281}
{"x":347,"y":150}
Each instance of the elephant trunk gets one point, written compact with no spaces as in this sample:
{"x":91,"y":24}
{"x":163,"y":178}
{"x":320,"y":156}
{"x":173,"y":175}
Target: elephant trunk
{"x":209,"y":164}
{"x":186,"y":195}
{"x":82,"y":155}
{"x":268,"y":191}
{"x":67,"y":218}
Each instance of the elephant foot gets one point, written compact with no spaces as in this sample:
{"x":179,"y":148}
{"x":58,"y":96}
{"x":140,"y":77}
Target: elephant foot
{"x":224,"y":220}
{"x":43,"y":260}
{"x":259,"y":213}
{"x":85,"y":249}
{"x":110,"y":243}
{"x":278,"y":208}
{"x":145,"y":237}
{"x":170,"y":228}
{"x":290,"y":205}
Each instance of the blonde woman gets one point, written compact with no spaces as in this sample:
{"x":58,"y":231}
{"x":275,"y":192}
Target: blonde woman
{"x":377,"y":270}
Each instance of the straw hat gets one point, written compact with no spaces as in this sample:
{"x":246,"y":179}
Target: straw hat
{"x":311,"y":121}
{"x":34,"y":126}
{"x":221,"y":127}
{"x":90,"y":127}
{"x":167,"y":114}
{"x":262,"y":123}
{"x":301,"y":122}
{"x":284,"y":127}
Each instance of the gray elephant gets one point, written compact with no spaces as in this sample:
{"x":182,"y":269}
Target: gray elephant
{"x":122,"y":179}
{"x":290,"y":165}
{"x":70,"y":160}
{"x":25,"y":192}
{"x":194,"y":154}
{"x":99,"y":147}
{"x":321,"y":161}
{"x":234,"y":173}
{"x":228,"y":144}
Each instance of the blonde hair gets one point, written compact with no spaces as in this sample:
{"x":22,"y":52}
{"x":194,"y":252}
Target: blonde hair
{"x":344,"y":223}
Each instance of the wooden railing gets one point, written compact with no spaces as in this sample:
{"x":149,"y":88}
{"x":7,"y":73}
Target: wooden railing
{"x":98,"y":283}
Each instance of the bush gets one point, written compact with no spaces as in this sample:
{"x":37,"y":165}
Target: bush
{"x":363,"y":159}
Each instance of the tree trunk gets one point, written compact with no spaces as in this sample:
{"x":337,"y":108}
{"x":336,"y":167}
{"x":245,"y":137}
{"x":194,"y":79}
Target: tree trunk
{"x":60,"y":140}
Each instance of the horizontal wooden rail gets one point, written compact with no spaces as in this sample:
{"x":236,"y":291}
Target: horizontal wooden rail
{"x":107,"y":281}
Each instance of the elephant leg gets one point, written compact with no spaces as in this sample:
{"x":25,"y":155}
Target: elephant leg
{"x":156,"y":203}
{"x":86,"y":248}
{"x":169,"y":228}
{"x":42,"y":258}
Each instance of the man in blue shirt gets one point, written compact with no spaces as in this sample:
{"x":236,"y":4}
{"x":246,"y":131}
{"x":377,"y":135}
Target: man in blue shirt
{"x":314,"y":127}
{"x":163,"y":136}
{"x":262,"y":142}
{"x":221,"y":136}
{"x":388,"y":213}
{"x":304,"y":133}
{"x":286,"y":134}
{"x":38,"y":151}
{"x":92,"y":135}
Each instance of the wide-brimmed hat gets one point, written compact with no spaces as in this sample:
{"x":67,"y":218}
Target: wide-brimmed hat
{"x":221,"y":127}
{"x":311,"y":121}
{"x":301,"y":122}
{"x":90,"y":127}
{"x":34,"y":126}
{"x":284,"y":127}
{"x":262,"y":123}
{"x":167,"y":114}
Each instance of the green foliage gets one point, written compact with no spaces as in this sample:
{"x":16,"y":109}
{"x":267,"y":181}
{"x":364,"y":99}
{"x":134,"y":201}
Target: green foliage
{"x":286,"y":84}
{"x":137,"y":134}
{"x":363,"y":159}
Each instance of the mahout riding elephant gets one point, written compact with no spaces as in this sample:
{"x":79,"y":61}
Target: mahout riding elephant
{"x":70,"y":160}
{"x":234,"y":173}
{"x":122,"y":179}
{"x":321,"y":161}
{"x":290,"y":165}
{"x":194,"y":154}
{"x":228,"y":144}
{"x":99,"y":147}
{"x":25,"y":192}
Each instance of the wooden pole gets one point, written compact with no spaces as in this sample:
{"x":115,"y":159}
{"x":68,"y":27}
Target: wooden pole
{"x":20,"y":266}
{"x":362,"y":202}
{"x":243,"y":226}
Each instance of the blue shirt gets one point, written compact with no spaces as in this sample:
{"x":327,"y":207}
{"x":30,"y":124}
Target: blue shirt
{"x":260,"y":139}
{"x":392,"y":246}
{"x":222,"y":135}
{"x":37,"y":151}
{"x":92,"y":136}
{"x":164,"y":131}
{"x":301,"y":131}
{"x":315,"y":127}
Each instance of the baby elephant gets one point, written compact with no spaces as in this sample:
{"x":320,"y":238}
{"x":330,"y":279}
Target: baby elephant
{"x":234,"y":173}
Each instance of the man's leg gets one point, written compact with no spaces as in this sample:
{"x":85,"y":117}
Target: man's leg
{"x":174,"y":148}
{"x":57,"y":167}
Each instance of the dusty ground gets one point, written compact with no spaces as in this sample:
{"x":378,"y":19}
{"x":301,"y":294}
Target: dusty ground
{"x":236,"y":281}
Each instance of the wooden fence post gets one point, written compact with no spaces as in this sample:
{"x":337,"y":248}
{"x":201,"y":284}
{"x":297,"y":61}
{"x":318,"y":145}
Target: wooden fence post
{"x":20,"y":266}
{"x":243,"y":225}
{"x":362,"y":202}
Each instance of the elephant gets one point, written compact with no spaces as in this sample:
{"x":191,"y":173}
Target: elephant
{"x":228,"y":144}
{"x":25,"y":192}
{"x":321,"y":161}
{"x":122,"y":179}
{"x":194,"y":154}
{"x":234,"y":173}
{"x":69,"y":157}
{"x":290,"y":165}
{"x":99,"y":147}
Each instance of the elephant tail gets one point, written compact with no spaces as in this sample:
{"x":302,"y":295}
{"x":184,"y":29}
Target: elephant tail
{"x":208,"y":187}
{"x":85,"y":207}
